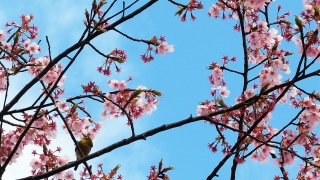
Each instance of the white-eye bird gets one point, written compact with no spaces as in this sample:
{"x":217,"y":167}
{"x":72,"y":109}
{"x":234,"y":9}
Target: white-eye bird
{"x":85,"y":144}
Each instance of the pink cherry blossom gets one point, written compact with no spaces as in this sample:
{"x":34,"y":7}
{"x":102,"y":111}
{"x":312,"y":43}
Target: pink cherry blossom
{"x":224,"y":92}
{"x":96,"y":128}
{"x":2,"y":36}
{"x":113,"y":84}
{"x":62,"y":105}
{"x":43,"y":159}
{"x":77,"y":125}
{"x":122,"y":85}
{"x":217,"y":73}
{"x":63,"y":160}
{"x":69,"y":175}
{"x":269,"y":76}
{"x":33,"y":48}
{"x":214,"y":11}
{"x":84,"y":173}
{"x":40,"y":122}
{"x":104,"y":115}
{"x":3,"y":81}
{"x":6,"y":46}
{"x":256,"y":4}
{"x":59,"y":175}
{"x":249,"y":93}
{"x":35,"y":164}
{"x":202,"y":110}
{"x":288,"y":136}
{"x":164,"y":47}
{"x":286,"y":159}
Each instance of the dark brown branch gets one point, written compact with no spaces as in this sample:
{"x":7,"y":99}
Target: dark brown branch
{"x":70,"y":100}
{"x":276,"y":134}
{"x":235,"y":148}
{"x":123,"y":7}
{"x":66,"y":52}
{"x":17,"y":125}
{"x":17,"y":119}
{"x":307,"y":93}
{"x":303,"y":56}
{"x":49,"y":48}
{"x":115,"y":24}
{"x":312,"y":62}
{"x":231,"y":70}
{"x":124,"y":111}
{"x":178,"y":4}
{"x":257,"y":64}
{"x":251,"y":101}
{"x":118,"y":13}
{"x":65,"y":122}
{"x":253,"y":79}
{"x":2,"y":169}
{"x":283,"y":171}
{"x":4,"y":103}
{"x":97,"y":50}
{"x":152,"y":132}
{"x":131,"y":38}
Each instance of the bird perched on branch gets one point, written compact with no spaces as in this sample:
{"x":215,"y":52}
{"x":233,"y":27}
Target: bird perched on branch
{"x":85,"y":144}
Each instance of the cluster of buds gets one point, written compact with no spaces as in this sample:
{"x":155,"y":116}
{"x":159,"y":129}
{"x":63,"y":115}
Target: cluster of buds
{"x":190,"y":7}
{"x":116,"y":56}
{"x":161,"y":48}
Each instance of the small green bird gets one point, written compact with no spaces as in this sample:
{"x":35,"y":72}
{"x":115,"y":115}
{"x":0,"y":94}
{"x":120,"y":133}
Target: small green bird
{"x":85,"y":144}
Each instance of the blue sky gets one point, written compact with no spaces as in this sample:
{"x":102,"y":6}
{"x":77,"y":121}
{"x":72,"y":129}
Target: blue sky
{"x":181,"y":77}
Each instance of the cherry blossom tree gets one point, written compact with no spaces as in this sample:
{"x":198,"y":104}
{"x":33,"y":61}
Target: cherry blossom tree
{"x":244,"y":127}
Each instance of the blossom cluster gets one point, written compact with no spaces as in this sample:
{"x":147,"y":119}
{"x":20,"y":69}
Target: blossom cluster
{"x":160,"y":172}
{"x":262,"y":49}
{"x":132,"y":103}
{"x":116,"y":56}
{"x":47,"y":160}
{"x":183,"y":10}
{"x":22,"y":52}
{"x":36,"y":66}
{"x":101,"y":175}
{"x":162,"y":47}
{"x":25,"y":47}
{"x":78,"y":125}
{"x":40,"y":134}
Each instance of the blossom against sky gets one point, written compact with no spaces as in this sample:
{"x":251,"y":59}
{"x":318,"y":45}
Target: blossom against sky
{"x":181,"y":76}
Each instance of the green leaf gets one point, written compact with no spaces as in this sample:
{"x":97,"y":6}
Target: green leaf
{"x":221,"y":102}
{"x":94,"y":4}
{"x":74,"y":108}
{"x":117,"y":167}
{"x":167,"y":169}
{"x":15,"y":70}
{"x":158,"y":93}
{"x":137,"y":92}
{"x":316,"y":10}
{"x":101,"y":29}
{"x":20,"y":50}
{"x":160,"y":165}
{"x":298,"y":22}
{"x":288,"y":54}
{"x":87,"y":14}
{"x":119,"y":59}
{"x":179,"y":12}
{"x":264,"y":88}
